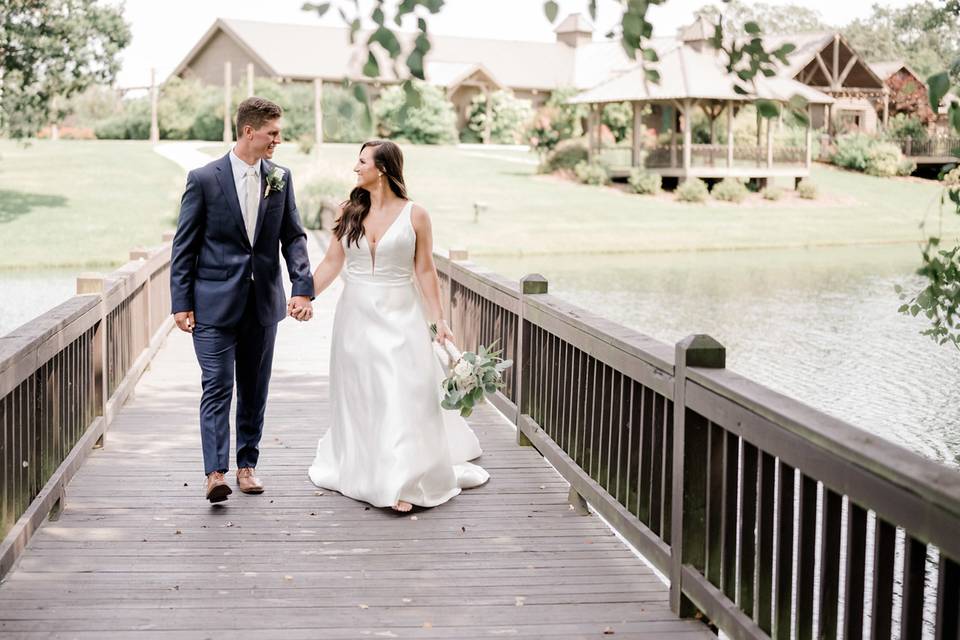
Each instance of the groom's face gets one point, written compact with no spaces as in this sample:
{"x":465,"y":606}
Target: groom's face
{"x":265,"y":139}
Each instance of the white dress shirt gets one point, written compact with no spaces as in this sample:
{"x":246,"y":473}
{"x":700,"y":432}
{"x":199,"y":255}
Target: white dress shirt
{"x":240,"y":169}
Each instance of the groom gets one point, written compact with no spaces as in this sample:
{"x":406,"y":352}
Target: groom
{"x":226,"y":289}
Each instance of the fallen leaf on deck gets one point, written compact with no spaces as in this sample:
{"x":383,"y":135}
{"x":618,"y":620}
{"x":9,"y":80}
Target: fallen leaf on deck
{"x":608,"y":631}
{"x":413,"y":517}
{"x":407,"y":600}
{"x":428,"y":625}
{"x":178,"y":532}
{"x":519,"y":601}
{"x":228,"y":524}
{"x":318,"y":493}
{"x":288,"y":578}
{"x":364,"y":606}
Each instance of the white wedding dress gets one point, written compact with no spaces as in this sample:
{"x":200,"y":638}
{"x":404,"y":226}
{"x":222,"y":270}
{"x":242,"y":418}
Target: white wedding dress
{"x":389,"y":439}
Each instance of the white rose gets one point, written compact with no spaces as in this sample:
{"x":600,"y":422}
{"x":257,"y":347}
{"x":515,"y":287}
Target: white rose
{"x":463,"y":369}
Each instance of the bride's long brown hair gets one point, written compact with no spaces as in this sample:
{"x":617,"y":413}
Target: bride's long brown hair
{"x":389,"y":160}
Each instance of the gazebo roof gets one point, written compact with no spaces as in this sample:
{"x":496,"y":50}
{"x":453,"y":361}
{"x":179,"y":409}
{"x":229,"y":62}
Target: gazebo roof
{"x":689,"y":74}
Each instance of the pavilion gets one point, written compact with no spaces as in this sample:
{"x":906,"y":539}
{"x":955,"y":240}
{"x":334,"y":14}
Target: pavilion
{"x":696,"y":78}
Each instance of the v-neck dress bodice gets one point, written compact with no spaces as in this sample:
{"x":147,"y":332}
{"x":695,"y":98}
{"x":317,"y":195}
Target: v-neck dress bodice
{"x":390,"y":260}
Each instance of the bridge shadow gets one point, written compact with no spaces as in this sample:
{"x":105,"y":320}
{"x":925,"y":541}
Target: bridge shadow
{"x":14,"y":204}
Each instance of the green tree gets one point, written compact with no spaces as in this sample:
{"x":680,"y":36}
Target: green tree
{"x":788,"y":18}
{"x":508,"y":117}
{"x":923,"y":34}
{"x":432,"y":121}
{"x":51,"y":50}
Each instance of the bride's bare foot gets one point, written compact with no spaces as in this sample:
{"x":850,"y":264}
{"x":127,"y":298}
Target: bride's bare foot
{"x":402,"y":506}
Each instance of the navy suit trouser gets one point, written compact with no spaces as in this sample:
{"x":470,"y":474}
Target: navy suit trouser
{"x":246,"y":349}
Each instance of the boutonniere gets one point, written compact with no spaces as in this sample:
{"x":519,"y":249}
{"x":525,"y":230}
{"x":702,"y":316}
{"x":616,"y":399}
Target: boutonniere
{"x":274,"y":181}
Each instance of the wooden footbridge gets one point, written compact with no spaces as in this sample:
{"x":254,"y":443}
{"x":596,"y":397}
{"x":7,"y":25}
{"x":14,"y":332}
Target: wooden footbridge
{"x":754,"y":514}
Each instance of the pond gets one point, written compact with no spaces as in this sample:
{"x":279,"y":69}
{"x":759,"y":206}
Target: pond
{"x":28,"y":293}
{"x":820,"y":325}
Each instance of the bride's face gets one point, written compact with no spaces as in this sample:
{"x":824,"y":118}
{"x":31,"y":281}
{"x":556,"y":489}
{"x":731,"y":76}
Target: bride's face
{"x":366,"y":170}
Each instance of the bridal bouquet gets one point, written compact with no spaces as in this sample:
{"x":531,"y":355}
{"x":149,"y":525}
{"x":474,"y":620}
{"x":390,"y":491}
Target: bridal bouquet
{"x":471,"y":376}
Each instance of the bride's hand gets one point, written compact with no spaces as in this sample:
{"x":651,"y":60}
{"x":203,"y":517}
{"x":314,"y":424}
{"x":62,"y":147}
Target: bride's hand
{"x":443,"y":333}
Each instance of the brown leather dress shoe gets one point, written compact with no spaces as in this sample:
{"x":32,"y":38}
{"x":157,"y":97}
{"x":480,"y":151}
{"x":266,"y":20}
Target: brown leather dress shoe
{"x":217,"y":487}
{"x":248,"y":482}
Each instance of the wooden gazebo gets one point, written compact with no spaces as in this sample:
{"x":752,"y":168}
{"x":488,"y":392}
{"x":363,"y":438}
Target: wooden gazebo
{"x":692,"y":79}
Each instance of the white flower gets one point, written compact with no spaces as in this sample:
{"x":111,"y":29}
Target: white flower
{"x":463,"y":369}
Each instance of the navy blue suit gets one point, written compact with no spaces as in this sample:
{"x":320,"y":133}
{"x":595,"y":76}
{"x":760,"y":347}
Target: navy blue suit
{"x":236,"y":293}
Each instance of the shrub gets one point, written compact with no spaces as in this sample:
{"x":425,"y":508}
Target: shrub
{"x":772,"y":193}
{"x":644,"y":182}
{"x":853,"y":151}
{"x":345,"y":119}
{"x":508,"y":114}
{"x":906,"y":167}
{"x":884,"y":159}
{"x":591,"y":173}
{"x":807,"y":189}
{"x":902,"y":125}
{"x":132,"y":123}
{"x":312,"y":196}
{"x":433,"y":122}
{"x":692,"y":190}
{"x":730,"y":190}
{"x":567,"y":155}
{"x":618,"y":118}
{"x":556,"y":121}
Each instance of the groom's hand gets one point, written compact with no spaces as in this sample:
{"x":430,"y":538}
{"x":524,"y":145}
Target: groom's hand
{"x":300,"y":308}
{"x":185,"y":321}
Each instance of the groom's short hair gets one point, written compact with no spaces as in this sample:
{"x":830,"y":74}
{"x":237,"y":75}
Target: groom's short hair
{"x":256,"y":111}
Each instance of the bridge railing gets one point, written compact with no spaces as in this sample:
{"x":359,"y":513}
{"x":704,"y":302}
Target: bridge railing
{"x":63,"y":376}
{"x":934,"y":146}
{"x":769,"y":518}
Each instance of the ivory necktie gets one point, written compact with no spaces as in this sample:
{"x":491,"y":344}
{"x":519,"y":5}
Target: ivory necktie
{"x":252,"y":202}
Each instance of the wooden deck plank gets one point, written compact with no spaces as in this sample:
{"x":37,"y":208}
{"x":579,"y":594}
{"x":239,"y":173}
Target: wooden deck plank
{"x":138,"y":553}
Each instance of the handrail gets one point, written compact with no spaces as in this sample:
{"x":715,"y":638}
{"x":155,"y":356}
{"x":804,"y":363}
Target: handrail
{"x":63,"y":377}
{"x":706,"y":472}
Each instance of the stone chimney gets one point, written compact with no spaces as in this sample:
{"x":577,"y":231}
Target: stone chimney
{"x":575,"y":30}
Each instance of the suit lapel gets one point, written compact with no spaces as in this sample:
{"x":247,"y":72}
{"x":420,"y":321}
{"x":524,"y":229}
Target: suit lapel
{"x":265,"y":168}
{"x":229,"y":188}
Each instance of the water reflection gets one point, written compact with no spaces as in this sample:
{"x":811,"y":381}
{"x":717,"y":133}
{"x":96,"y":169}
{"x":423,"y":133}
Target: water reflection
{"x":820,"y":325}
{"x":26,"y":294}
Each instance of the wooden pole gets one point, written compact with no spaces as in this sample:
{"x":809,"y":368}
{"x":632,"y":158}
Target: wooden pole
{"x":318,"y":112}
{"x":769,"y":144}
{"x":808,"y":150}
{"x":249,"y":79}
{"x":227,"y":81}
{"x":675,"y":119}
{"x":531,"y":284}
{"x":690,"y":457}
{"x":636,"y":138}
{"x":687,"y":137}
{"x":729,"y":133}
{"x":488,"y":115}
{"x":154,"y":123}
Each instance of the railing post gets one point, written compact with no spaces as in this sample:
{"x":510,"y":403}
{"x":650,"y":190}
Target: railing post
{"x":530,"y":285}
{"x":94,"y":284}
{"x":908,"y":147}
{"x":690,"y":454}
{"x":143,"y":255}
{"x":455,"y":255}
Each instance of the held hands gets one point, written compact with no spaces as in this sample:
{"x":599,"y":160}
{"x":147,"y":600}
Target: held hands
{"x":443,"y":332}
{"x":185,"y":321}
{"x":300,"y":308}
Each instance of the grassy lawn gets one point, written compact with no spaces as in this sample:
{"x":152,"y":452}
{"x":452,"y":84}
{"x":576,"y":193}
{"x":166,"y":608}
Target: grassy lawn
{"x":80,"y":204}
{"x":83,"y":203}
{"x":531,"y":214}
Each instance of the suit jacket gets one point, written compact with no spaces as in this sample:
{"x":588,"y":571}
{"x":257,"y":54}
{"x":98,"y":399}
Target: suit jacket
{"x":214,"y":265}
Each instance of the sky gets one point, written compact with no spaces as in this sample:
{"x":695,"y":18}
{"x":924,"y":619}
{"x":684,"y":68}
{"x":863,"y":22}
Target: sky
{"x":164,"y":32}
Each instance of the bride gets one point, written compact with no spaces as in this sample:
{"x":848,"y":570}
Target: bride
{"x":389,"y":442}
